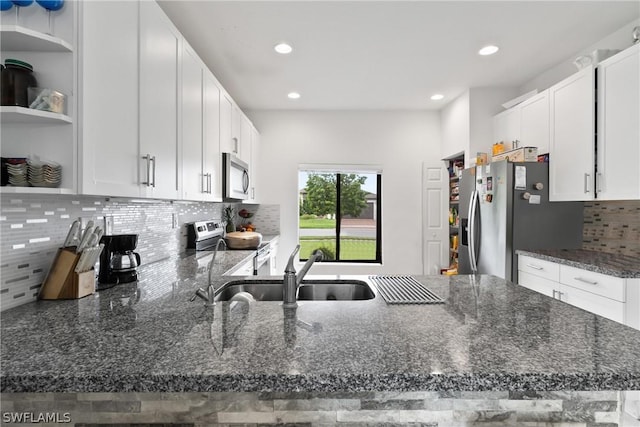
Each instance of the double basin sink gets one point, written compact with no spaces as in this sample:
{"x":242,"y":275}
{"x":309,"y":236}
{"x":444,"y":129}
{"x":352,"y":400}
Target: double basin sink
{"x":309,"y":290}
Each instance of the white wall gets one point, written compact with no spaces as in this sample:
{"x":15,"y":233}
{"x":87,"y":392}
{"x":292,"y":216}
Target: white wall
{"x":399,"y":141}
{"x":455,"y":121}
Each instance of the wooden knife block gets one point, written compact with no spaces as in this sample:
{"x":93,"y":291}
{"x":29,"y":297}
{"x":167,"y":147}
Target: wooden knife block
{"x":62,"y":282}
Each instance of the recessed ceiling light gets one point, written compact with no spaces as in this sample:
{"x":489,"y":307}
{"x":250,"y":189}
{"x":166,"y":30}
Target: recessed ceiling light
{"x":293,"y":95}
{"x":283,"y":48}
{"x":437,"y":97}
{"x":488,"y":50}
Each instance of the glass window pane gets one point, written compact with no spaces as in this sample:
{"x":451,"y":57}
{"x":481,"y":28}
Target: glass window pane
{"x":358,"y":224}
{"x":317,"y":206}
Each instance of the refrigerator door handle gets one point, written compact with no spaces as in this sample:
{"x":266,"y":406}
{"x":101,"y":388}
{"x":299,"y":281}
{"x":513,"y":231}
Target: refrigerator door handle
{"x":472,"y":231}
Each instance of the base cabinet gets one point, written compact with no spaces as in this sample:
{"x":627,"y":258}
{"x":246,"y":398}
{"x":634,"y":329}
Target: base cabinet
{"x":615,"y":298}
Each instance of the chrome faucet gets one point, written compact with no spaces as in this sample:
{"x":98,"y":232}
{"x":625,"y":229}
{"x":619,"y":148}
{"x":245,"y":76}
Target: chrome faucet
{"x":292,"y":281}
{"x":209,"y":295}
{"x":213,"y":258}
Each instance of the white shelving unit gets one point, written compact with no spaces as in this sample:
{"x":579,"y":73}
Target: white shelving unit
{"x":18,"y":38}
{"x":28,"y":132}
{"x":28,"y":115}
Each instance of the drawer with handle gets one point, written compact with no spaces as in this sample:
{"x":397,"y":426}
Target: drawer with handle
{"x":538,"y":267}
{"x":596,"y":283}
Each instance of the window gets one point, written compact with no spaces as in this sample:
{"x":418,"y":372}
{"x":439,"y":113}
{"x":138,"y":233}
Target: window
{"x":340,"y":214}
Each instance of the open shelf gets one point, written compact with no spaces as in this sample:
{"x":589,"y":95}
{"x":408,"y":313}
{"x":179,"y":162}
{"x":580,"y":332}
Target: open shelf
{"x":35,"y":190}
{"x":11,"y":114}
{"x":17,"y":38}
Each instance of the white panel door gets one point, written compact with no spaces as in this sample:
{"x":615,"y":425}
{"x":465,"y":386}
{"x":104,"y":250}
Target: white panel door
{"x":619,"y":126}
{"x":194,"y":182}
{"x":436,"y":228}
{"x":109,"y":99}
{"x":534,"y":122}
{"x":227,"y":142}
{"x":572,"y":137}
{"x":211,"y":149}
{"x":160,"y":53}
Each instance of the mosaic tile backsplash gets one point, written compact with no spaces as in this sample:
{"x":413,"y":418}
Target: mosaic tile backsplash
{"x":33,"y":227}
{"x":612,"y":227}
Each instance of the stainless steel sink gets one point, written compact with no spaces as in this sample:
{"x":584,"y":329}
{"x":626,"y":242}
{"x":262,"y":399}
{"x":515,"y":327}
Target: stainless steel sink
{"x":310,"y":290}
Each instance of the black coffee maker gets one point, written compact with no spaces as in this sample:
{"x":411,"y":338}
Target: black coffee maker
{"x":118,"y":262}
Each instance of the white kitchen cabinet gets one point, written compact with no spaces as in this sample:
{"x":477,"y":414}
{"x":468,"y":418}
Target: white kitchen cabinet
{"x":506,"y":127}
{"x":26,"y":132}
{"x":246,"y":135}
{"x":572,"y":137}
{"x":534,"y":122}
{"x":229,"y":141}
{"x":618,"y":153}
{"x":211,"y":157}
{"x":274,"y":244}
{"x":160,"y":58}
{"x":195,"y":181}
{"x":254,"y":147}
{"x":612,"y":297}
{"x":201,"y":176}
{"x":109,"y":99}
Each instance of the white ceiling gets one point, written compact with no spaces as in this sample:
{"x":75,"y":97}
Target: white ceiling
{"x":385,"y":54}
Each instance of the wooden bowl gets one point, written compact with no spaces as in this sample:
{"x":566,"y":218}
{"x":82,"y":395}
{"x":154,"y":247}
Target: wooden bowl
{"x":243,"y":239}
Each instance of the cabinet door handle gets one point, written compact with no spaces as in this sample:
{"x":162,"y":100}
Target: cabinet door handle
{"x":153,"y":160}
{"x":148,"y":159}
{"x":587,"y":281}
{"x":535,"y":267}
{"x":560,"y":295}
{"x":235,"y":145}
{"x":204,"y":183}
{"x":209,"y":183}
{"x":599,"y":178}
{"x":586,"y":182}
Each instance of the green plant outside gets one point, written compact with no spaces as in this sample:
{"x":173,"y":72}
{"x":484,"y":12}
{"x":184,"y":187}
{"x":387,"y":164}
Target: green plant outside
{"x":360,"y":249}
{"x":317,"y":223}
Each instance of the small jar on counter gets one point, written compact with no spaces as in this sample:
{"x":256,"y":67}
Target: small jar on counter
{"x":16,"y":77}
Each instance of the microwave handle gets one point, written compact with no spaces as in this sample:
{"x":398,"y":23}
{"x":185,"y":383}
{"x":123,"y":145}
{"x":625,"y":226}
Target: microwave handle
{"x":245,"y":181}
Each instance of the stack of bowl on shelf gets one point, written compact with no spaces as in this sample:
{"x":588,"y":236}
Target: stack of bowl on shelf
{"x":44,"y":173}
{"x":16,"y":169}
{"x":25,"y":172}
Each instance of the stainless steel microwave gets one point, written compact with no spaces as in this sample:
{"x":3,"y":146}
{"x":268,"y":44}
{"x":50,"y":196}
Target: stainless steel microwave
{"x":235,"y":178}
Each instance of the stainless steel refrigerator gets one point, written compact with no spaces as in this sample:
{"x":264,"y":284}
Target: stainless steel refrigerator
{"x":504,"y":207}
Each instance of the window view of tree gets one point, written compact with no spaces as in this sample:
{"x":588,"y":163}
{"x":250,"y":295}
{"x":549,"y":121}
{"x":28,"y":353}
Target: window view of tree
{"x":340,"y":215}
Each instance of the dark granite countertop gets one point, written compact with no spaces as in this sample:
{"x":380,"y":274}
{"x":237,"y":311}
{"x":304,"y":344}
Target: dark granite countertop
{"x":623,"y":266}
{"x":147,"y":336}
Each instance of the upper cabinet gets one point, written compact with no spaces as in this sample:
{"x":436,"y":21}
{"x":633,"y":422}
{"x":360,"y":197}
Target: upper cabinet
{"x":618,"y":138}
{"x":109,"y":99}
{"x":534,"y":122}
{"x":525,"y":125}
{"x":572,"y":137}
{"x":201,"y":166}
{"x":578,"y":170}
{"x":506,"y":127}
{"x":152,"y":115}
{"x":160,"y":60}
{"x":49,"y":43}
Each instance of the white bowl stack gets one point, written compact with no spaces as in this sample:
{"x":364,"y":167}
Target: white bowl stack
{"x":17,"y":170}
{"x":44,"y":173}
